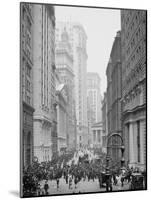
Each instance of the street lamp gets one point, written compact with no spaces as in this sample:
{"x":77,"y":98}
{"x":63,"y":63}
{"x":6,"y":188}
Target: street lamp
{"x":108,"y":175}
{"x":122,"y":158}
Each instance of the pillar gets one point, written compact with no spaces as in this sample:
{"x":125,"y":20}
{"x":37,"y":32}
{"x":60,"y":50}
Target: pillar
{"x":131,"y":144}
{"x":126,"y":142}
{"x":142,"y":141}
{"x":135,"y":147}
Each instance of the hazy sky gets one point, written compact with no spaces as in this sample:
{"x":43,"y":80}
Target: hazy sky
{"x":101,"y":26}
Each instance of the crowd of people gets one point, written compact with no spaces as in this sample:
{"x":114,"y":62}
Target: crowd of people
{"x":74,"y":167}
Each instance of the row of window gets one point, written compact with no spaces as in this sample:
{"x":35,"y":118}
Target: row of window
{"x":130,"y":21}
{"x":135,"y":40}
{"x":133,"y":59}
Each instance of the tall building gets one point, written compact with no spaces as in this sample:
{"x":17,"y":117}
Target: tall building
{"x":94,"y":96}
{"x":114,"y":92}
{"x":45,"y":133}
{"x":27,"y":82}
{"x":62,"y":115}
{"x":77,"y":38}
{"x":133,"y":38}
{"x":104,"y":123}
{"x":64,"y":69}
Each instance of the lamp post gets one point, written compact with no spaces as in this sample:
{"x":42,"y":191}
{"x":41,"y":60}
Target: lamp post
{"x":122,"y":158}
{"x":108,"y":175}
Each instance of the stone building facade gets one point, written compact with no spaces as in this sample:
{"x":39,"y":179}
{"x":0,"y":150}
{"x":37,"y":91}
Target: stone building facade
{"x":26,"y":62}
{"x":45,"y":133}
{"x":114,"y":93}
{"x":133,"y":38}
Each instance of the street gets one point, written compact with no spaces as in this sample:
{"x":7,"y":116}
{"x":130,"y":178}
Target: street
{"x":82,"y":187}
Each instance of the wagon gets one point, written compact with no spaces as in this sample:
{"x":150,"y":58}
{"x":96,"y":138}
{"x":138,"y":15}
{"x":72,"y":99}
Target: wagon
{"x":137,"y":181}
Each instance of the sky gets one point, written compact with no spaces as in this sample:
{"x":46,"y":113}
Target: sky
{"x":101,"y":26}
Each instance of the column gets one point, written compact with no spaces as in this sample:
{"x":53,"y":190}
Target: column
{"x":131,"y":144}
{"x":135,"y":146}
{"x":126,"y":142}
{"x":142,"y":141}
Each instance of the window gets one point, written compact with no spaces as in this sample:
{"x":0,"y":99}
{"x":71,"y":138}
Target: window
{"x":24,"y":117}
{"x":94,"y":136}
{"x":28,"y":70}
{"x":28,"y":85}
{"x":28,"y":40}
{"x":23,"y":13}
{"x":28,"y":99}
{"x":28,"y":25}
{"x":99,"y":136}
{"x":23,"y":31}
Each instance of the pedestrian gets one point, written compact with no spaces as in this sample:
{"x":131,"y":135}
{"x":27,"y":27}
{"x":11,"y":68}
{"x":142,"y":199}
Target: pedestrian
{"x":114,"y":179}
{"x":118,"y":180}
{"x":38,"y":189}
{"x":46,"y":187}
{"x":66,"y":178}
{"x":57,"y":180}
{"x":70,"y":182}
{"x":100,"y":180}
{"x":75,"y":181}
{"x":122,"y":181}
{"x":108,"y":183}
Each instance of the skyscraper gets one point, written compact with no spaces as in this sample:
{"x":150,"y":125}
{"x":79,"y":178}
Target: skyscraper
{"x":64,"y":69}
{"x":45,"y":138}
{"x":77,"y":38}
{"x":93,"y":102}
{"x":94,"y":96}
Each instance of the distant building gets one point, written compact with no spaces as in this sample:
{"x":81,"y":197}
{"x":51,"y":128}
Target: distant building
{"x":27,"y":82}
{"x":114,"y":78}
{"x":64,"y":69}
{"x":45,"y":134}
{"x":104,"y":124}
{"x":77,"y":39}
{"x":62,"y":117}
{"x":93,"y":100}
{"x":96,"y":135}
{"x":94,"y":96}
{"x":133,"y":38}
